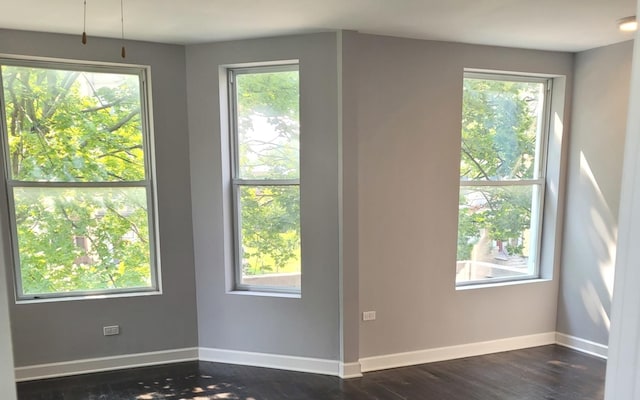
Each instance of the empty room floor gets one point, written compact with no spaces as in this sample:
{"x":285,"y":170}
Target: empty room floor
{"x":547,"y":372}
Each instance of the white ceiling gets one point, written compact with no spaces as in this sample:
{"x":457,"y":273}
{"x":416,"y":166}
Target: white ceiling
{"x":568,"y":25}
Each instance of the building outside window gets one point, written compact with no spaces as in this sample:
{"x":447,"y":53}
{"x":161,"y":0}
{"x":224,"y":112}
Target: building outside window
{"x":78,"y":171}
{"x":265,"y":177}
{"x":502,"y":177}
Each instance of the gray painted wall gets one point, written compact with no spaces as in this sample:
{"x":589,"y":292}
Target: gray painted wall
{"x":307,"y":326}
{"x":380,"y":133}
{"x":600,"y":98}
{"x":7,"y":375}
{"x":69,"y":330}
{"x":409,"y":107}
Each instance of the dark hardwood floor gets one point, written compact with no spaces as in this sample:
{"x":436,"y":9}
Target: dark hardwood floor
{"x":548,"y":372}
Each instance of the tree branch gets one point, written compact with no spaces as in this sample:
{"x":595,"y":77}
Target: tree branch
{"x":482,"y":171}
{"x":102,"y":106}
{"x":133,"y":226}
{"x":124,"y":120}
{"x":125,"y":150}
{"x":61,"y":94}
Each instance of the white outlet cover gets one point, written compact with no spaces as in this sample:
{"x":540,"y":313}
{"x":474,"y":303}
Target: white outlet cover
{"x":111,"y":330}
{"x":369,"y":316}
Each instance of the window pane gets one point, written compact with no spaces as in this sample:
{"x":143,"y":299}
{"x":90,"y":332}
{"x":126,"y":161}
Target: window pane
{"x":73,"y":126}
{"x":88,"y":239}
{"x":270,"y":235}
{"x":268,"y":125}
{"x":501,"y":125}
{"x":495,"y":235}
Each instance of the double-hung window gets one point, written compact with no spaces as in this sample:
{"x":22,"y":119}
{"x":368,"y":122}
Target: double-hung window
{"x":502,"y":177}
{"x":77,"y":159}
{"x":265,"y":177}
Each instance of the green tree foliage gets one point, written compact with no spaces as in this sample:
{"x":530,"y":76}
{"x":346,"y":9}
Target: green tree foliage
{"x":73,"y":128}
{"x":268,"y":149}
{"x":499,"y":133}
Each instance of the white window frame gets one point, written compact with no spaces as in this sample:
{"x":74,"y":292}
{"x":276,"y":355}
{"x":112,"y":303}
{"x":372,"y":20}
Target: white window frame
{"x":149,"y":183}
{"x":237,"y":183}
{"x":539,"y":180}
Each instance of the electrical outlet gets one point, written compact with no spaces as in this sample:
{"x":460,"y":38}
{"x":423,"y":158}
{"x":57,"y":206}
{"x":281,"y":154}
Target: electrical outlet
{"x":111,"y":330}
{"x":368,"y":315}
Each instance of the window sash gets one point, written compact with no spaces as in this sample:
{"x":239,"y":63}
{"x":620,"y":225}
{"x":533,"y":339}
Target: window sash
{"x":148,"y":183}
{"x":542,"y":139}
{"x":232,"y":73}
{"x":537,"y":216}
{"x":237,"y":224}
{"x":145,"y":107}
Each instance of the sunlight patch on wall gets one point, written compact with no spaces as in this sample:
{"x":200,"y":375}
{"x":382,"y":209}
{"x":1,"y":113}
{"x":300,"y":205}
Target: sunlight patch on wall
{"x":603,"y":227}
{"x":594,"y":306}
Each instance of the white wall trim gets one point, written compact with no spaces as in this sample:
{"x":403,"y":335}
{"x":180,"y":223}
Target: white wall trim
{"x":350,"y":370}
{"x":277,"y":361}
{"x":306,"y":364}
{"x":90,"y":365}
{"x":452,"y":352}
{"x":582,"y":345}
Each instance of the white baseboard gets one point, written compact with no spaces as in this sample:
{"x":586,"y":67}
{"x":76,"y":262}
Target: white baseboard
{"x":350,"y":370}
{"x":277,"y":361}
{"x":90,"y":365}
{"x":582,"y":345}
{"x":305,"y":364}
{"x":452,"y":352}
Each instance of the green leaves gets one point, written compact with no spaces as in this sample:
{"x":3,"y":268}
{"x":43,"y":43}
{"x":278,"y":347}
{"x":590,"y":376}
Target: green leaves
{"x":79,"y":128}
{"x":499,"y":129}
{"x":82,"y":239}
{"x":69,"y":126}
{"x":268,"y":125}
{"x":500,"y":134}
{"x":270,"y":228}
{"x":268,"y":149}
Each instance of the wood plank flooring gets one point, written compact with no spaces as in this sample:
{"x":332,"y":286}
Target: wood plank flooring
{"x":548,"y":372}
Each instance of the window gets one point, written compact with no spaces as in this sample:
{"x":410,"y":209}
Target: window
{"x":77,"y":158}
{"x":502,"y":177}
{"x":265,"y":177}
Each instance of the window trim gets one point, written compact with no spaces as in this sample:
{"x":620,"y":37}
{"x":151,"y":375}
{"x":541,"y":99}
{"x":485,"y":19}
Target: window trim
{"x":143,"y":74}
{"x":539,"y":179}
{"x":236,"y":183}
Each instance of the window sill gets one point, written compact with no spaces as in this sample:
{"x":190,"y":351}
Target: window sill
{"x":88,"y":297}
{"x":500,"y":284}
{"x":265,"y":294}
